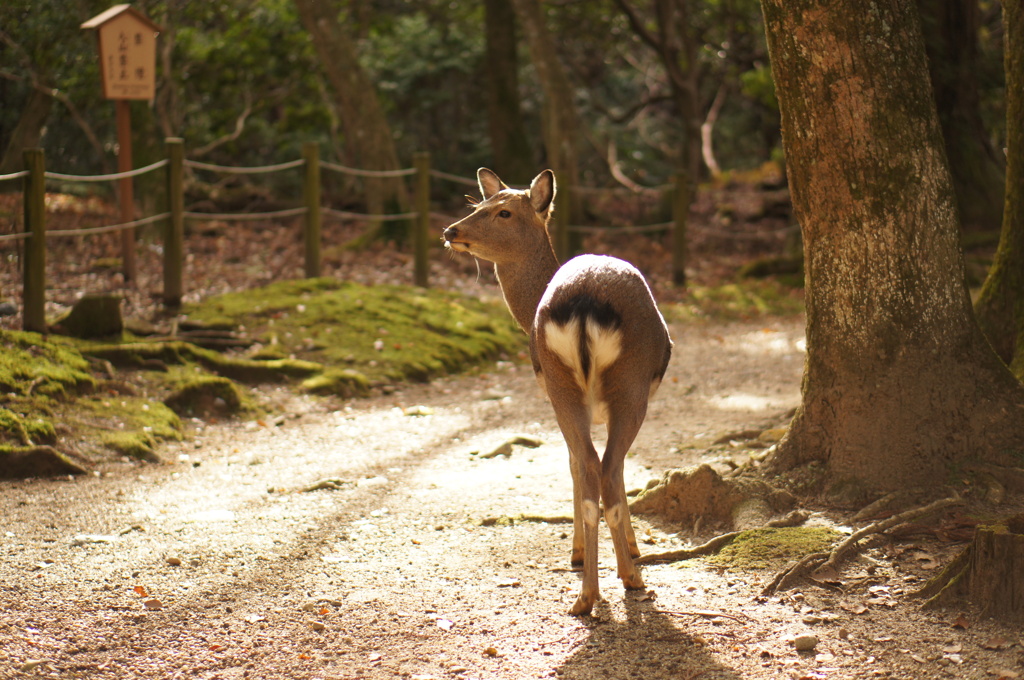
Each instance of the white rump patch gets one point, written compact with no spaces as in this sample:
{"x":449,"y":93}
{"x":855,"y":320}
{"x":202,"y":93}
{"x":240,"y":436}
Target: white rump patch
{"x":604,"y":345}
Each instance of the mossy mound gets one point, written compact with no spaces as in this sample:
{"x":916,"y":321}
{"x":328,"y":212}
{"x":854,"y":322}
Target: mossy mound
{"x":207,"y":396}
{"x":33,"y":365}
{"x":384,"y":333}
{"x":770,"y":548}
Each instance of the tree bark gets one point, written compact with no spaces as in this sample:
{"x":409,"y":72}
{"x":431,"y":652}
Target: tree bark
{"x":1000,"y":307}
{"x":900,"y":386}
{"x":509,"y":142}
{"x":951,"y":41}
{"x":561,"y":119}
{"x":369,"y":142}
{"x":29,"y":130}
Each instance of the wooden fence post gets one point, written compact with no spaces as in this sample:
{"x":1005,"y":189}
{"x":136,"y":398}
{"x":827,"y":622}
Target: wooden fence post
{"x":561,"y":217}
{"x":174,"y":234}
{"x":34,"y":290}
{"x":421,"y":223}
{"x":311,"y":194}
{"x":680,"y":215}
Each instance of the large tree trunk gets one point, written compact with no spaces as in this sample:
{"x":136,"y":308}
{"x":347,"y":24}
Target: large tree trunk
{"x":509,"y":143}
{"x":951,"y":42}
{"x":368,"y":140}
{"x":561,"y":119}
{"x":1000,"y":308}
{"x":900,"y":386}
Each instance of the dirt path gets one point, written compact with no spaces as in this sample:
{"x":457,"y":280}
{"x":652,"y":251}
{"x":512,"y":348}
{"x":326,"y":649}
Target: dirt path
{"x":218,"y":565}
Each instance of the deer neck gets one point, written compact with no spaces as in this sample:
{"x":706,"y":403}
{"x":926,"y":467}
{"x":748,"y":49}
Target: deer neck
{"x":523,"y":283}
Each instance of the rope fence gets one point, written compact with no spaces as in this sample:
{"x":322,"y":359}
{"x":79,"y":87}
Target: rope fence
{"x":35,"y":233}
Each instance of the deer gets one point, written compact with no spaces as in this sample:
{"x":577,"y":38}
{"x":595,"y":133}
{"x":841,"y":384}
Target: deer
{"x":599,"y":349}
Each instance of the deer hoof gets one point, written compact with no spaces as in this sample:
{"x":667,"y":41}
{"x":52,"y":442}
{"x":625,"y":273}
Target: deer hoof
{"x":583,"y":606}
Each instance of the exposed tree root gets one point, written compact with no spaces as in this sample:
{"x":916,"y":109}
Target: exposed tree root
{"x":824,"y":565}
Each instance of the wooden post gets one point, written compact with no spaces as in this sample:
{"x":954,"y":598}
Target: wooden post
{"x":311,"y":194}
{"x":680,"y":214}
{"x":174,"y":239}
{"x":127,"y":196}
{"x":421,"y":223}
{"x":34,"y":284}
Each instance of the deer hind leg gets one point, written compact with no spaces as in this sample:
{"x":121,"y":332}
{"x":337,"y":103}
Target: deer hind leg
{"x":574,"y":420}
{"x":623,"y":426}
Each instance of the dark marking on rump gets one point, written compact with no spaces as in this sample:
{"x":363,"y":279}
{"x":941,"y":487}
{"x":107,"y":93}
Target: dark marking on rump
{"x":586,"y":308}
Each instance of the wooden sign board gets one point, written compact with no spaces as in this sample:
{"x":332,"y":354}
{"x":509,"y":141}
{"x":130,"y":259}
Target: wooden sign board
{"x":127,"y":52}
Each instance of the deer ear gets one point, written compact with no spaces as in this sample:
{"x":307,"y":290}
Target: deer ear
{"x":490,"y":183}
{"x":542,"y":191}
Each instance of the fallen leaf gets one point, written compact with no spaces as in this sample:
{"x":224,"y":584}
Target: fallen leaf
{"x":215,"y":648}
{"x":141,"y":591}
{"x":996,"y":643}
{"x":857,"y":608}
{"x":153,"y":604}
{"x":952,"y":649}
{"x":303,"y":655}
{"x":961,"y":622}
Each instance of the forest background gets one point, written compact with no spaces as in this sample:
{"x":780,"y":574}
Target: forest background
{"x":656,"y":88}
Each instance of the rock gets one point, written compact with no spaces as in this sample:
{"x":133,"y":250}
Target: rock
{"x":8,"y":309}
{"x":805,"y":643}
{"x":93,"y":316}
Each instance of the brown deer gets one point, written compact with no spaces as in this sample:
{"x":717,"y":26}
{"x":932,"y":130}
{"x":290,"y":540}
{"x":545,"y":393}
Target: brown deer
{"x":599,"y":348}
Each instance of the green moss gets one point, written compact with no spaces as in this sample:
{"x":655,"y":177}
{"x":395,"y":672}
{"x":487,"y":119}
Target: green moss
{"x":339,"y":382}
{"x":384,"y":333}
{"x":768,"y":548}
{"x":208,"y":395}
{"x":744,"y":299}
{"x":32,"y":365}
{"x":135,"y":444}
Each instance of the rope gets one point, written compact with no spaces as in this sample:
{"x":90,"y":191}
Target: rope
{"x":453,"y":178}
{"x":14,"y":175}
{"x":245,"y":171}
{"x":112,"y":227}
{"x":15,"y":237}
{"x":367,"y":173}
{"x":342,"y":215}
{"x":105,"y":178}
{"x":290,"y":212}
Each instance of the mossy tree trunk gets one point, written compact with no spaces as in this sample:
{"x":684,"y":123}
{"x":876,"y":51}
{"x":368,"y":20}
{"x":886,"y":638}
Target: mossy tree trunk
{"x":510,"y":145}
{"x":1000,"y":308}
{"x":368,"y":139}
{"x":900,"y":385}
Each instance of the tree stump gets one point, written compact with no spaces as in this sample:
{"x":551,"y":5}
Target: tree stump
{"x":988,"y":573}
{"x":93,"y":316}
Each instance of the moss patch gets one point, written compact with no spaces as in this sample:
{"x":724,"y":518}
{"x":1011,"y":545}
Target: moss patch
{"x":769,"y":548}
{"x":208,"y":396}
{"x":745,"y":299}
{"x":383,"y":333}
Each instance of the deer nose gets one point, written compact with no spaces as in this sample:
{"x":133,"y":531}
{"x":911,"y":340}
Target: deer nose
{"x":450,"y":233}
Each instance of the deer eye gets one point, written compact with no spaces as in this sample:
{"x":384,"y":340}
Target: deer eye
{"x":505,"y":214}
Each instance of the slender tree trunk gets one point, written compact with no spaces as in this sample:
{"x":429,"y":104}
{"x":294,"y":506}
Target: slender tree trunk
{"x":368,"y":138}
{"x":561,"y":119}
{"x":509,"y":142}
{"x":900,"y":387}
{"x":29,"y":130}
{"x":1000,"y":308}
{"x":950,"y":30}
